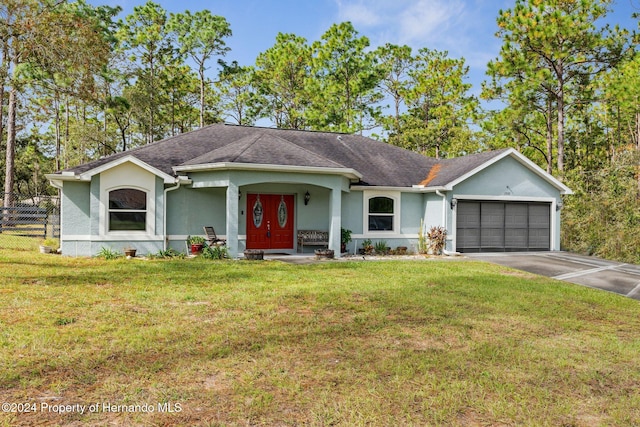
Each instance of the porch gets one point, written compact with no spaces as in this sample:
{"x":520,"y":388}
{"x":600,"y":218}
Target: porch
{"x":259,"y":215}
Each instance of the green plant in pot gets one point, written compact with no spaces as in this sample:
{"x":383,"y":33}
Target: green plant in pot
{"x":345,"y":238}
{"x":367,"y":247}
{"x":49,"y":245}
{"x":196,"y":243}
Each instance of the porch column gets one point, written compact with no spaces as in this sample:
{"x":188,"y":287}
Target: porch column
{"x":232,"y":219}
{"x":335,"y":211}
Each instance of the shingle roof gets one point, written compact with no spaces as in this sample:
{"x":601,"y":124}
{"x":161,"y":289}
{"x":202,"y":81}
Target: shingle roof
{"x":380,"y":164}
{"x":449,"y":170}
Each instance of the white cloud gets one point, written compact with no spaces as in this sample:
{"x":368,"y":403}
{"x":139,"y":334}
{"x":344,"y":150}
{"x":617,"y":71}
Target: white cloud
{"x":463,"y":28}
{"x":426,"y":20}
{"x":412,"y":22}
{"x":358,"y":13}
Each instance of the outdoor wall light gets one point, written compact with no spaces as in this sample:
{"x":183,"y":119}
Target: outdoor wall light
{"x":454,"y":203}
{"x":307,"y":197}
{"x":559,"y":205}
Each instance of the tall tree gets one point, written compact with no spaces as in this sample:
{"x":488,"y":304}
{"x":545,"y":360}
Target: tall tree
{"x":395,"y":62}
{"x":527,"y":120}
{"x":52,"y":41}
{"x":240,"y":99}
{"x":85,"y":39}
{"x":346,"y":76}
{"x":554,"y":46}
{"x":200,"y":36}
{"x":282,"y":73}
{"x":145,"y":36}
{"x":622,"y":110}
{"x":180,"y":85}
{"x":440,"y":109}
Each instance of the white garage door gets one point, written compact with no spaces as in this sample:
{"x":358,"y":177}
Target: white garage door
{"x":502,"y":226}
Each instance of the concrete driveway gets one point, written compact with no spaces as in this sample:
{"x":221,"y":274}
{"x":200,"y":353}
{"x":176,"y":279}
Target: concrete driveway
{"x":620,"y":278}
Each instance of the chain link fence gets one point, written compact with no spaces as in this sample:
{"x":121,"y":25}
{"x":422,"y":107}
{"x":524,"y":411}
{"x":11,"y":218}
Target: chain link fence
{"x":25,"y":220}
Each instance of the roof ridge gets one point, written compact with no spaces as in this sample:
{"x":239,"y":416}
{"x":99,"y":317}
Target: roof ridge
{"x":309,"y":151}
{"x":289,"y":129}
{"x":249,"y":144}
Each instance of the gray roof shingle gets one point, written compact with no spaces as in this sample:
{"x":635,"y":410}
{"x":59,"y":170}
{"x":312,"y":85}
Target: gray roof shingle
{"x":380,"y":164}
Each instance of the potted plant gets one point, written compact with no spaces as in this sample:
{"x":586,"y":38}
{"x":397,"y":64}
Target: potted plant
{"x":196,"y":243}
{"x":254,"y":254}
{"x":49,"y":245}
{"x":324,"y":253}
{"x":130,"y":252}
{"x":367,"y":247}
{"x":345,"y":238}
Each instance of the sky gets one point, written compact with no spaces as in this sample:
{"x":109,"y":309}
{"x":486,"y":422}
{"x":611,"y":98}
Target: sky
{"x":464,"y":28}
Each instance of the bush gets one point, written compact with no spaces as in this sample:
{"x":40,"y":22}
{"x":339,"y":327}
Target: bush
{"x":168,"y":254}
{"x":381,"y":247}
{"x":51,"y":242}
{"x":437,"y":239}
{"x":602,"y":217}
{"x":108,"y":253}
{"x":215,"y":252}
{"x":367,"y":247}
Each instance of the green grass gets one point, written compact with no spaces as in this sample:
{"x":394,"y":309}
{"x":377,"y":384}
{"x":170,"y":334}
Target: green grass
{"x":337,"y":343}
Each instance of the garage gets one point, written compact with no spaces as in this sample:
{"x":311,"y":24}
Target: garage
{"x":490,"y":226}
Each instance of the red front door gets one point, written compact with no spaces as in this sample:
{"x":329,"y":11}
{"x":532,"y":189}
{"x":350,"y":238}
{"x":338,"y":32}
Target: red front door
{"x":269,"y":221}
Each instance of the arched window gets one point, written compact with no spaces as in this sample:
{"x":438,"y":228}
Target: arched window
{"x":381,"y":214}
{"x":127,"y":210}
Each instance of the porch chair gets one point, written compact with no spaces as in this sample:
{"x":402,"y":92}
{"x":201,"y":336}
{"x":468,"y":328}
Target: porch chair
{"x":212,"y":237}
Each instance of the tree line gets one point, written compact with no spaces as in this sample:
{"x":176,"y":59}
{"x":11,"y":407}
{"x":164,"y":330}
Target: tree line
{"x":78,"y":83}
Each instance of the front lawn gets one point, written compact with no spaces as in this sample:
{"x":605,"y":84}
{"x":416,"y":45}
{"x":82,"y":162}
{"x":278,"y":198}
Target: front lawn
{"x":196,"y":342}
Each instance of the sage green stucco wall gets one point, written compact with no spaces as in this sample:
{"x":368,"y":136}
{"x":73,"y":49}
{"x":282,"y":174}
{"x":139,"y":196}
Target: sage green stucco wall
{"x":493,"y":181}
{"x":95,"y":205}
{"x":189,"y":209}
{"x":76,"y":209}
{"x":75,"y":217}
{"x":412,"y":210}
{"x":352,"y":208}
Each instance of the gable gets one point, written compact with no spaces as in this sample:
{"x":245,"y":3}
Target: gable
{"x":506,"y":177}
{"x":468,"y":167}
{"x":127,"y":175}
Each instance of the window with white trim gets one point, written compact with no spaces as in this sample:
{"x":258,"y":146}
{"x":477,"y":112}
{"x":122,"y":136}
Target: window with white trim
{"x":381,"y":213}
{"x":127,"y":210}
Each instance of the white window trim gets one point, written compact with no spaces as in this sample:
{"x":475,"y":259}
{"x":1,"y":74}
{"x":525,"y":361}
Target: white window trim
{"x":393,"y":195}
{"x":104,"y":217}
{"x":146,"y":211}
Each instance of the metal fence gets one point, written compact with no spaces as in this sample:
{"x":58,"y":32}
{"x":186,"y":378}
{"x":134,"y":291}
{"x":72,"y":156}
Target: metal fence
{"x":25,"y":221}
